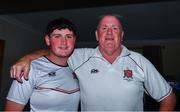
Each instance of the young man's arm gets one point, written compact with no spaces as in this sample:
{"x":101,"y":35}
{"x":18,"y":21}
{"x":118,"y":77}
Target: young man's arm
{"x":22,"y":66}
{"x":13,"y":106}
{"x":169,"y":103}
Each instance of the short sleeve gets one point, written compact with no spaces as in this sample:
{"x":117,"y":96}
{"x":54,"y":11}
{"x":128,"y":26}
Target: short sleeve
{"x":20,"y":93}
{"x":155,"y":84}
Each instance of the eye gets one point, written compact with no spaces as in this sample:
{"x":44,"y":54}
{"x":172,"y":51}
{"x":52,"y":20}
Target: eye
{"x":69,"y":36}
{"x":104,"y":28}
{"x":115,"y":28}
{"x":57,"y":36}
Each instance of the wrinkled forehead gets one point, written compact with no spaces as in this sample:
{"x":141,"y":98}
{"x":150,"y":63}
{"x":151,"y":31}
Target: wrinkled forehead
{"x":110,"y":20}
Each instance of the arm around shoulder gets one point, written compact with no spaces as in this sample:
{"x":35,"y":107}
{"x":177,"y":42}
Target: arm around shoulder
{"x":22,"y":66}
{"x":34,"y":55}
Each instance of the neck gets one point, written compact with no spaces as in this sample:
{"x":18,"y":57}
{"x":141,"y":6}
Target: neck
{"x":62,"y":61}
{"x":111,"y":57}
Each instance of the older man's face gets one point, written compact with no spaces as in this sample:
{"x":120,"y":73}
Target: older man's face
{"x":109,"y":35}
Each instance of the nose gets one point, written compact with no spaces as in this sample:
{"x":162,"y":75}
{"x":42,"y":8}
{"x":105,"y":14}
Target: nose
{"x":64,"y":40}
{"x":109,"y":31}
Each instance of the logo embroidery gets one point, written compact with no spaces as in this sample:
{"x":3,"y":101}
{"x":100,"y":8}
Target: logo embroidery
{"x":52,"y":74}
{"x":128,"y":74}
{"x":94,"y":71}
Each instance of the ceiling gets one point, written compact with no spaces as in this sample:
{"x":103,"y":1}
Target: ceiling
{"x":143,"y":19}
{"x":18,"y":6}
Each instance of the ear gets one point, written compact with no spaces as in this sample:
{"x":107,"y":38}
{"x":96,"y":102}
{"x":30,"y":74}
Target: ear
{"x":96,"y":33}
{"x":122,"y":36}
{"x":74,"y":39}
{"x":47,"y":40}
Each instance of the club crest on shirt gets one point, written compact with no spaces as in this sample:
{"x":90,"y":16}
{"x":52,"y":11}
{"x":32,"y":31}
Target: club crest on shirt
{"x":93,"y":71}
{"x":52,"y":74}
{"x":128,"y":74}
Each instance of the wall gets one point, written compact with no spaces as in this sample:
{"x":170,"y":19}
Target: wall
{"x":19,"y":40}
{"x":170,"y":53}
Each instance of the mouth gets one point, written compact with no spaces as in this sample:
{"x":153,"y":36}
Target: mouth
{"x":109,"y":39}
{"x":63,"y":47}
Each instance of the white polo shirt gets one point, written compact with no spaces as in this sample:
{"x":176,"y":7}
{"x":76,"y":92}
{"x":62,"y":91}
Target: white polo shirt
{"x":119,"y":86}
{"x":50,"y":88}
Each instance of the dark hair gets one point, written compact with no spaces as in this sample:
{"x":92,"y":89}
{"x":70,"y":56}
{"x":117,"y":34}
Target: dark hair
{"x":60,"y":23}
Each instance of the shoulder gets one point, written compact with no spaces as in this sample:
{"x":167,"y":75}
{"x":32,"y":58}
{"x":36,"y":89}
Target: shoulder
{"x":132,"y":54}
{"x":39,"y":61}
{"x":38,"y":64}
{"x":83,"y":50}
{"x":136,"y":54}
{"x":141,"y":61}
{"x":138,"y":58}
{"x":79,"y":56}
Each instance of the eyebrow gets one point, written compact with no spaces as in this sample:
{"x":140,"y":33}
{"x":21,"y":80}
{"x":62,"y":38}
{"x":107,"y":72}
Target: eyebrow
{"x":111,"y":25}
{"x":61,"y":34}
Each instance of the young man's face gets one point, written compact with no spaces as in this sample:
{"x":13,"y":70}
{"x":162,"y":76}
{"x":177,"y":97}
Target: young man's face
{"x":61,"y":42}
{"x":109,"y":35}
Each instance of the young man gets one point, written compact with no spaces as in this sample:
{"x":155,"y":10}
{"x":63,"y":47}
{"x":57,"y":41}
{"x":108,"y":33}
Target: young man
{"x":52,"y":85}
{"x":111,"y":77}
